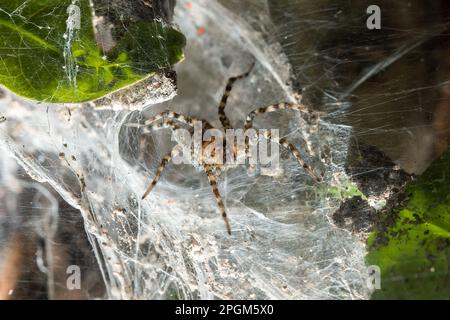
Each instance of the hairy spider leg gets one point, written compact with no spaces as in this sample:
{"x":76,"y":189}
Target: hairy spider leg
{"x":284,"y":142}
{"x":166,"y":124}
{"x":218,"y":197}
{"x":165,"y":116}
{"x":223,"y":102}
{"x":171,"y":115}
{"x":293,"y":149}
{"x":212,"y":181}
{"x":275,"y":107}
{"x":155,"y":180}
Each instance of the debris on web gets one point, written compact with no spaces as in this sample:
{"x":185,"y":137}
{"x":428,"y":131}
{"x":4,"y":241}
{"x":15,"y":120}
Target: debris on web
{"x":173,"y":244}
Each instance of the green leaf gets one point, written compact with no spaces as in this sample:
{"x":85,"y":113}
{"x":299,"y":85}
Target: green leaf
{"x":41,"y":59}
{"x":413,"y":249}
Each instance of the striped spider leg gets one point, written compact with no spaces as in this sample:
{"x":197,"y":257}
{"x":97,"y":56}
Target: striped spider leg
{"x":213,"y":182}
{"x":223,"y":102}
{"x":169,"y":119}
{"x":283,"y":141}
{"x":250,"y":117}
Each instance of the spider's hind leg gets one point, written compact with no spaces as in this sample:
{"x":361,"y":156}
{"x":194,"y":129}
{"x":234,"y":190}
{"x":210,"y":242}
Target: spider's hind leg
{"x":213,"y":182}
{"x":223,"y":102}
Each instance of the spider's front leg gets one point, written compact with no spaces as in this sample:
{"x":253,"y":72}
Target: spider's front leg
{"x":165,"y":116}
{"x":296,"y":153}
{"x":275,"y":107}
{"x":169,"y":118}
{"x":284,"y":142}
{"x":212,"y":181}
{"x":223,"y":102}
{"x":167,"y":123}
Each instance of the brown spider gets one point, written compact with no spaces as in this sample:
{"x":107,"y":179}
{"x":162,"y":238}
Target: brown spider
{"x":213,"y":170}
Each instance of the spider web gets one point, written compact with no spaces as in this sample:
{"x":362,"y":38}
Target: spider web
{"x":174,"y":244}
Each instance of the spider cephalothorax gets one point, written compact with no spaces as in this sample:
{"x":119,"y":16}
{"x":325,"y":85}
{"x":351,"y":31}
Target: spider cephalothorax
{"x":213,"y":160}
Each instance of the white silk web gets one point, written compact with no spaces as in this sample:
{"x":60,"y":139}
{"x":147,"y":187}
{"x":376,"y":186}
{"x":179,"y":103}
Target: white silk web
{"x":174,"y":243}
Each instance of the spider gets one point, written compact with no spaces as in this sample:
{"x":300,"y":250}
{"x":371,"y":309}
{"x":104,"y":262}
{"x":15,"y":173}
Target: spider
{"x":171,"y":120}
